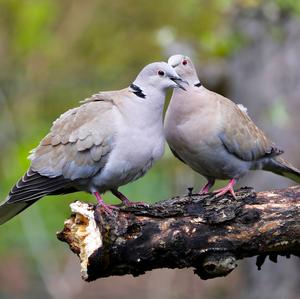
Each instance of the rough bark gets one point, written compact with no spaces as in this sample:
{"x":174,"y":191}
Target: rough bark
{"x":206,"y":233}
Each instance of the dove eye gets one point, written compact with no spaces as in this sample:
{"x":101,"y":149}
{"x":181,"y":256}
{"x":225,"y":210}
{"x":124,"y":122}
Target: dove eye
{"x":161,"y":73}
{"x":184,"y":62}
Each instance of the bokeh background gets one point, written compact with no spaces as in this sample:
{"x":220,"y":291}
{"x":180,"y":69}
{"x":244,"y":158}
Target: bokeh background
{"x":54,"y":53}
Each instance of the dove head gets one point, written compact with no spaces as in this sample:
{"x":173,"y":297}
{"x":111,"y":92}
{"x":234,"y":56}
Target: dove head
{"x":157,"y":76}
{"x":184,"y":68}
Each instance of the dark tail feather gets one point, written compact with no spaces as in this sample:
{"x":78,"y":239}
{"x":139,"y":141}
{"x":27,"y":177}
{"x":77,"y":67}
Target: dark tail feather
{"x":282,"y":167}
{"x":10,"y":210}
{"x":30,"y":188}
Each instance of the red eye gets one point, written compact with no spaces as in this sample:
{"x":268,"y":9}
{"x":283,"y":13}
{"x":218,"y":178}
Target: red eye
{"x":161,"y":73}
{"x":184,"y":62}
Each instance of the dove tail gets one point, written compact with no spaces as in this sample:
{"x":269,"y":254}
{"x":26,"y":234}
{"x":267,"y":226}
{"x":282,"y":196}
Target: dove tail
{"x":282,"y":167}
{"x":10,"y":210}
{"x":30,"y":188}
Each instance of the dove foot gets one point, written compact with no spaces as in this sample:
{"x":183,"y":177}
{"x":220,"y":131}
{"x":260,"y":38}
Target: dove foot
{"x":207,"y":186}
{"x":228,"y":188}
{"x":125,"y":201}
{"x":107,"y":208}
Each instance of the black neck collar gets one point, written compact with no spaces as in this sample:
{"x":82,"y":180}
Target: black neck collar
{"x":137,"y":91}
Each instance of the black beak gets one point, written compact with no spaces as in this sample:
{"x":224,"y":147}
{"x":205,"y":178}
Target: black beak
{"x":179,"y":82}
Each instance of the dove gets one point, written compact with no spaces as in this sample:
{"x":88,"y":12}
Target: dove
{"x":216,"y":137}
{"x":111,"y":139}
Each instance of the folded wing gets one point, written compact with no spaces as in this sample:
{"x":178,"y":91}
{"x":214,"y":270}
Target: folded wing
{"x":242,"y":138}
{"x":76,"y":148}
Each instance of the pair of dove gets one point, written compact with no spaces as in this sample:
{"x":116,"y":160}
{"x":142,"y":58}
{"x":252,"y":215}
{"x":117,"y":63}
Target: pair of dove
{"x":114,"y":137}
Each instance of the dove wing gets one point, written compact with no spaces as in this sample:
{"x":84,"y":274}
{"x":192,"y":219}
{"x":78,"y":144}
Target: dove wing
{"x":77,"y":147}
{"x":79,"y":142}
{"x":241,"y":137}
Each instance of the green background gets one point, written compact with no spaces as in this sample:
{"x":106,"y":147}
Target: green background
{"x":54,"y":54}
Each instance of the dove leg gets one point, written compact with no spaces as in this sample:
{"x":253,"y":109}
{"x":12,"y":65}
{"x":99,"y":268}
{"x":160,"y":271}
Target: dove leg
{"x":228,"y":188}
{"x":107,"y":208}
{"x":207,"y":186}
{"x":125,"y":200}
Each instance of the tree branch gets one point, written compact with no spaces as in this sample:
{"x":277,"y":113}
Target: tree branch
{"x":204,"y":232}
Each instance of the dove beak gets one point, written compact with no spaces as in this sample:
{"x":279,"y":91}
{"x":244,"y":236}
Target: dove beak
{"x":180,"y":83}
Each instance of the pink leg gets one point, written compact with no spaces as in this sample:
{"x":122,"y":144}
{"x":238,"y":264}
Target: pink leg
{"x":228,"y":188}
{"x":107,"y":208}
{"x":125,"y":200}
{"x":207,"y":186}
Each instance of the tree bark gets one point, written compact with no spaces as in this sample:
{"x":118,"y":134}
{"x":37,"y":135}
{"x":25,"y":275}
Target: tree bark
{"x":206,"y":233}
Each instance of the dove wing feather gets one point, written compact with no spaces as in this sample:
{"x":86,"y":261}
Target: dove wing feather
{"x":241,"y":137}
{"x":78,"y":143}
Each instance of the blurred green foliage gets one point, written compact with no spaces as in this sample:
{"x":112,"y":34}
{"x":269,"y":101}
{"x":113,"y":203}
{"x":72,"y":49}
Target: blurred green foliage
{"x":55,"y":53}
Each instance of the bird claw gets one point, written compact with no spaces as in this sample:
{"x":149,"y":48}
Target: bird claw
{"x":225,"y":190}
{"x":206,"y":187}
{"x":203,"y":191}
{"x":108,"y":209}
{"x":125,"y":201}
{"x":228,"y":188}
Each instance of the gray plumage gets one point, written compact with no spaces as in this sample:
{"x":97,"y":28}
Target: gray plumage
{"x":110,"y":140}
{"x":216,"y":137}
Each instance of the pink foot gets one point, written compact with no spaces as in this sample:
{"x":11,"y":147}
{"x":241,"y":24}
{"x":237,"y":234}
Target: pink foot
{"x":228,"y":188}
{"x":107,"y":208}
{"x":207,"y":186}
{"x":125,"y":200}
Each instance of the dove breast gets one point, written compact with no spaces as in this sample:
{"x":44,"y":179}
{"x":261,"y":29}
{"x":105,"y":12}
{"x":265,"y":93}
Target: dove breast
{"x":139,"y":143}
{"x":192,"y":132}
